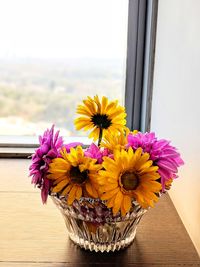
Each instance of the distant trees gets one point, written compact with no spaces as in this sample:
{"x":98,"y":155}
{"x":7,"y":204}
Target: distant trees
{"x":50,"y":92}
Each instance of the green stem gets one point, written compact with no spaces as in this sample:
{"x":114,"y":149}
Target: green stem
{"x":100,"y":136}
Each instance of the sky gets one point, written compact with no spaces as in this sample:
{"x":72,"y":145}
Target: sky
{"x":63,"y":28}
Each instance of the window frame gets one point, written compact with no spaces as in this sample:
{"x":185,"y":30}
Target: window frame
{"x":142,"y":24}
{"x":141,"y":36}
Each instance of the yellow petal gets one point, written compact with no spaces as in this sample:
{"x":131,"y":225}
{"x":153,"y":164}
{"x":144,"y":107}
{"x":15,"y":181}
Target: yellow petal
{"x":110,"y":202}
{"x":79,"y":193}
{"x":91,"y":190}
{"x":72,"y":195}
{"x":109,"y":194}
{"x":60,"y":186}
{"x":66,"y":190}
{"x":126,"y":203}
{"x":118,"y":202}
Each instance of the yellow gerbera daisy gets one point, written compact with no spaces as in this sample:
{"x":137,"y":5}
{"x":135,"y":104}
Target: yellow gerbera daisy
{"x":129,"y":175}
{"x":74,"y":175}
{"x":115,"y":141}
{"x":100,"y":116}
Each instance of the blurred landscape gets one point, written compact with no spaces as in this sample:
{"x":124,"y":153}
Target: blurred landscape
{"x":34,"y":93}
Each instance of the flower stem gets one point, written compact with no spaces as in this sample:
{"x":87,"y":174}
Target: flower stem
{"x":100,"y":136}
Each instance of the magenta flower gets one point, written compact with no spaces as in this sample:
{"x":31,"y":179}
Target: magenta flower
{"x":95,"y":152}
{"x":50,"y":145}
{"x":144,"y":140}
{"x":161,"y":152}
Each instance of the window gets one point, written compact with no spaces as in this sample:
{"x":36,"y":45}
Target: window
{"x":55,"y":53}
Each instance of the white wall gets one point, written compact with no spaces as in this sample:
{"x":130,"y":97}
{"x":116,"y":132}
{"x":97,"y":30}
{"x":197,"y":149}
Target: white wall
{"x":176,"y":101}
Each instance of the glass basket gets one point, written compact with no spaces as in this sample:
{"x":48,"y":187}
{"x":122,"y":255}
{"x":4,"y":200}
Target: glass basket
{"x":91,"y":225}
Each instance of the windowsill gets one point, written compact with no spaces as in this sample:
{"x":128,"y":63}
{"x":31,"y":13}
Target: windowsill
{"x":16,"y":152}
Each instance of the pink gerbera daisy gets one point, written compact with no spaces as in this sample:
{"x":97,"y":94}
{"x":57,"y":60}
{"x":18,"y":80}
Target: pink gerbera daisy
{"x":50,"y":145}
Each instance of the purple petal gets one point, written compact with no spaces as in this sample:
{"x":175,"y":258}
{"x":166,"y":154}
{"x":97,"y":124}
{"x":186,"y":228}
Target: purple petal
{"x":50,"y":146}
{"x":164,"y":174}
{"x":166,"y":164}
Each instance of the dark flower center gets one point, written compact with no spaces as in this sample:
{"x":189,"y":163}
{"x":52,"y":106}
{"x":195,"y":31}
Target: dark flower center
{"x":101,"y":121}
{"x":76,"y":176}
{"x":130,"y":180}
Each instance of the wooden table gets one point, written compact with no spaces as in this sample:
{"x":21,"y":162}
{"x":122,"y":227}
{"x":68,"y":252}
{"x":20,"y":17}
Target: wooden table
{"x":32,"y":234}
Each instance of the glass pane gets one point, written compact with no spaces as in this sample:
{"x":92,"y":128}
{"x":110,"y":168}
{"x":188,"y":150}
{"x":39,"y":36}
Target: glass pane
{"x":55,"y":53}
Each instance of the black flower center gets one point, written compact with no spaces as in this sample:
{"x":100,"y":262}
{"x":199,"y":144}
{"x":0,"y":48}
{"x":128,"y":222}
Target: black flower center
{"x":130,"y":180}
{"x":76,"y":176}
{"x":101,"y":121}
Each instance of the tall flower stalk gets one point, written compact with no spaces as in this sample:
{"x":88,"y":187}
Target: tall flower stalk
{"x":100,"y":136}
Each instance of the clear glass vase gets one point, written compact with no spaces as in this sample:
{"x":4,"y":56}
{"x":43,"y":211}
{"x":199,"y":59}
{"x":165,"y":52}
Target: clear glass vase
{"x":91,"y":225}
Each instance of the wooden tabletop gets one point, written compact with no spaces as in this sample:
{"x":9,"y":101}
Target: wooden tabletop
{"x":33,"y":234}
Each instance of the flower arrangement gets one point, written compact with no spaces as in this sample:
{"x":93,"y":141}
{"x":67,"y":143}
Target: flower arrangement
{"x":123,"y":167}
{"x":103,"y":190}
